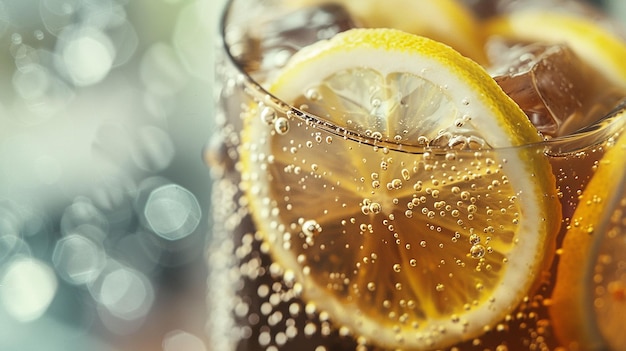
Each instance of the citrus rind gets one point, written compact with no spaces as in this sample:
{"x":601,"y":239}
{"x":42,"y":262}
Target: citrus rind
{"x":574,"y":300}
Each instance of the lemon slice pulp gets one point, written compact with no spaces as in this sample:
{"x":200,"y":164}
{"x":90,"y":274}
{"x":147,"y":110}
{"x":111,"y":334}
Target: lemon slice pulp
{"x":414,"y":250}
{"x":589,"y":298}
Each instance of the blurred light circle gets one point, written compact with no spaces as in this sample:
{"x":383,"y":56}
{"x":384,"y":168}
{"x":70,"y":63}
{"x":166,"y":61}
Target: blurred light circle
{"x":172,"y":212}
{"x":123,"y":296}
{"x":61,"y":7}
{"x":41,"y":90}
{"x":28,"y":287}
{"x":11,"y":246}
{"x":103,"y":13}
{"x":125,"y":293}
{"x":192,"y":22}
{"x":161,"y":70}
{"x":82,"y":212}
{"x":180,"y":340}
{"x":154,"y":150}
{"x":140,"y":250}
{"x":10,"y":220}
{"x":125,"y":38}
{"x":77,"y":259}
{"x":87,"y":55}
{"x":57,"y":14}
{"x":31,"y":82}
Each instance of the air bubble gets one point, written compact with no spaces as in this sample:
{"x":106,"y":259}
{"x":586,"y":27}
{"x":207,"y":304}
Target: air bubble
{"x":281,"y":125}
{"x":422,"y":140}
{"x":268,"y":115}
{"x":39,"y":35}
{"x":405,"y":174}
{"x":474,"y":239}
{"x":375,"y":207}
{"x":313,"y":95}
{"x":397,"y":268}
{"x":311,"y":228}
{"x":477,"y":251}
{"x":396,"y":184}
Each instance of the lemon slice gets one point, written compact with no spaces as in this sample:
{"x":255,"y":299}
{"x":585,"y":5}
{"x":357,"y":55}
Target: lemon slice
{"x":596,"y":45}
{"x":400,"y":249}
{"x":589,"y":299}
{"x":447,"y":21}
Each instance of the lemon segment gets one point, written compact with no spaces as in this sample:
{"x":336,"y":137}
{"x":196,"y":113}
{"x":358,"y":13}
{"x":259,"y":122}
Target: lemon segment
{"x":588,"y":303}
{"x":447,"y":21}
{"x":469,"y":97}
{"x":596,"y":45}
{"x":404,"y":250}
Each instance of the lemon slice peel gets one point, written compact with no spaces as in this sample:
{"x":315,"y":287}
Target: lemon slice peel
{"x":571,"y":305}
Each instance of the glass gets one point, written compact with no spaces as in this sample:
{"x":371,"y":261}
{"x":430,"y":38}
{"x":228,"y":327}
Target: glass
{"x":346,"y":246}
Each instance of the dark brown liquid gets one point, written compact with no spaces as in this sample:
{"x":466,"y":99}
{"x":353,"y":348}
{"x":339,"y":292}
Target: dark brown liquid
{"x":256,"y":308}
{"x":268,"y":313}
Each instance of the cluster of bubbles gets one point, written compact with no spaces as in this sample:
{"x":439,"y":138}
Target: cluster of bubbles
{"x":95,"y":201}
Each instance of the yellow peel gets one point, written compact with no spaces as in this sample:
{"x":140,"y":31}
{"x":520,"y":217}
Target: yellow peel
{"x":572,"y":302}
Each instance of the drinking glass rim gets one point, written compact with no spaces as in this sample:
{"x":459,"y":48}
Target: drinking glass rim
{"x":591,"y":135}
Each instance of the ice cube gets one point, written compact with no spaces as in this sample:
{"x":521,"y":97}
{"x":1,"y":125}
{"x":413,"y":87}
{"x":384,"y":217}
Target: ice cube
{"x":268,"y":44}
{"x":557,"y":90}
{"x":483,"y":8}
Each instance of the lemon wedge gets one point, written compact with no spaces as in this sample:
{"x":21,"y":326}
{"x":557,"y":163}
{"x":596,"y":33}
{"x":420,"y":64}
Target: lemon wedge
{"x":392,"y":213}
{"x":591,"y":41}
{"x":589,"y":300}
{"x":447,"y":21}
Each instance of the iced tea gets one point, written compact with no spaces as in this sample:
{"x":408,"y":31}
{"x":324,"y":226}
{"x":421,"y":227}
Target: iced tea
{"x":338,"y":230}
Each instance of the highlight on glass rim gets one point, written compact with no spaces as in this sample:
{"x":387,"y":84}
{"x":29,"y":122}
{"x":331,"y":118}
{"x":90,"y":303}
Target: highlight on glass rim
{"x":418,"y":175}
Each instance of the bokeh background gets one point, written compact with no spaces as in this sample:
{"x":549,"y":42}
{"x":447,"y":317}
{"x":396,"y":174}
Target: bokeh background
{"x":105,"y":106}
